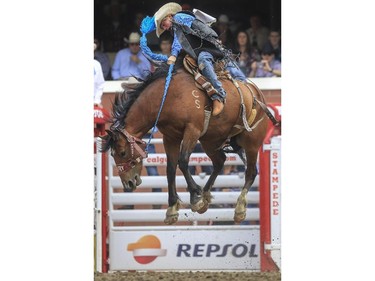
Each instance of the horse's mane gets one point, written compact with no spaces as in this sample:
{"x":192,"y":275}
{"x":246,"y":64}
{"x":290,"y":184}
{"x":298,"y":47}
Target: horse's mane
{"x":124,"y":101}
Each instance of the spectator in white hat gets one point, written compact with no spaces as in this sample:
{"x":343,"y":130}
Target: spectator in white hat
{"x":131,"y":61}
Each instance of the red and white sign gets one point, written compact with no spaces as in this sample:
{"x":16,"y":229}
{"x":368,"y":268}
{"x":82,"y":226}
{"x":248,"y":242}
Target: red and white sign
{"x":275,"y":182}
{"x":101,"y":115}
{"x":275,"y":197}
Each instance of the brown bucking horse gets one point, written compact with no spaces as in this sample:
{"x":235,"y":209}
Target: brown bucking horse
{"x":182,"y":123}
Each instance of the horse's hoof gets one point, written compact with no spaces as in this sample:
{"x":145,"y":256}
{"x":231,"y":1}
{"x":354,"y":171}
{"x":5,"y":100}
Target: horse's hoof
{"x":171,"y":219}
{"x":203,"y":209}
{"x":207,"y":200}
{"x":207,"y":196}
{"x":197,"y":206}
{"x":239,"y":217}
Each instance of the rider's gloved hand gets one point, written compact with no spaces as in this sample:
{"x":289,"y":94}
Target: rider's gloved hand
{"x":171,"y":60}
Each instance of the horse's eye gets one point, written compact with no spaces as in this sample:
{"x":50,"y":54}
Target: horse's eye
{"x":122,"y":154}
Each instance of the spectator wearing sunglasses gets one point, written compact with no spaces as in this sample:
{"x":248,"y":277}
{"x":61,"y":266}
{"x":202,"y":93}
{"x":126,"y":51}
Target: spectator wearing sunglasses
{"x":131,"y":61}
{"x":268,"y":66}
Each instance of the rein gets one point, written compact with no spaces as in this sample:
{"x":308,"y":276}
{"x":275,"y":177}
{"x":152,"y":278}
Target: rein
{"x":167,"y":81}
{"x":136,"y":144}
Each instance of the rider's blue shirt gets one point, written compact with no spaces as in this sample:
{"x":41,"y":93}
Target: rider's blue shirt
{"x":184,"y":19}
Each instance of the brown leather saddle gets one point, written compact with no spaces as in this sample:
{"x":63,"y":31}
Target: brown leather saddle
{"x":202,"y":82}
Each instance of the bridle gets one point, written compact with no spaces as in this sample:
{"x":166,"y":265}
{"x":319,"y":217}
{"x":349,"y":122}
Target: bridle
{"x":137,"y":145}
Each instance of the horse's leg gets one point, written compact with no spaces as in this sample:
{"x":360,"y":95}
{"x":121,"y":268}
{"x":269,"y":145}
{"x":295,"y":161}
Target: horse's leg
{"x":172,"y":150}
{"x":218,"y":159}
{"x":251,"y":173}
{"x":250,"y":141}
{"x":189,"y":141}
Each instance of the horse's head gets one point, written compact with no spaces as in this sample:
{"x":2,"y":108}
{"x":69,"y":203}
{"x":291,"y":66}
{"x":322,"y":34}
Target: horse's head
{"x":128,"y":152}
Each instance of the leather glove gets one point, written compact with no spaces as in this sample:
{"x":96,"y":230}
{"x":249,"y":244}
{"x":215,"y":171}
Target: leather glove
{"x":171,"y":60}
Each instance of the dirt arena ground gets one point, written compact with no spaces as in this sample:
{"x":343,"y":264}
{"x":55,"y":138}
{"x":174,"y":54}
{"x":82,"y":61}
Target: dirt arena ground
{"x":188,"y":276}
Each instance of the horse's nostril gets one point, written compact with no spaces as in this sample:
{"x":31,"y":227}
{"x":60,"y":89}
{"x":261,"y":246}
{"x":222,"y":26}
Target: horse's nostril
{"x":132,"y":185}
{"x":138,"y":180}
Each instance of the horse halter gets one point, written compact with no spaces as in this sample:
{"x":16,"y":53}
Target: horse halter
{"x":136,"y":144}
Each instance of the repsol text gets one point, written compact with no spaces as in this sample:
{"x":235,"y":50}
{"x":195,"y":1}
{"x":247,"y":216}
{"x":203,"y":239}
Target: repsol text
{"x":216,"y":250}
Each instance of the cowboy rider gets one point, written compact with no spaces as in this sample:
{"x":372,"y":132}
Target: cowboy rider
{"x":191,"y":35}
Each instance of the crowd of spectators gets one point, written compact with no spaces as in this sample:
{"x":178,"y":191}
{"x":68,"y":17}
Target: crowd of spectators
{"x":256,"y":47}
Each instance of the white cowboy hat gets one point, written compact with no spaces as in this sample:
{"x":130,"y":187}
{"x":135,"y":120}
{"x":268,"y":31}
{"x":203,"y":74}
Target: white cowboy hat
{"x":168,"y":9}
{"x":131,"y":82}
{"x":223,"y":19}
{"x":134,"y":37}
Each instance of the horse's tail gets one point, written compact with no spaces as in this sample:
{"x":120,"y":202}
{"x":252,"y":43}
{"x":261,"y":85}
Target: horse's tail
{"x":276,"y":123}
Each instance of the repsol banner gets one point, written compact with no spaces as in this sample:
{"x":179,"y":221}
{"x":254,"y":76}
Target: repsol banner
{"x":186,"y":249}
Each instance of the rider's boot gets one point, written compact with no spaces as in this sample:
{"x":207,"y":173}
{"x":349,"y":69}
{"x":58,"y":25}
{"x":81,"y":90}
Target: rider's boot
{"x":207,"y":69}
{"x":218,"y":105}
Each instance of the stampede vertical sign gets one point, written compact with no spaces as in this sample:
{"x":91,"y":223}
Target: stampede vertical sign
{"x":275,"y":192}
{"x":275,"y":182}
